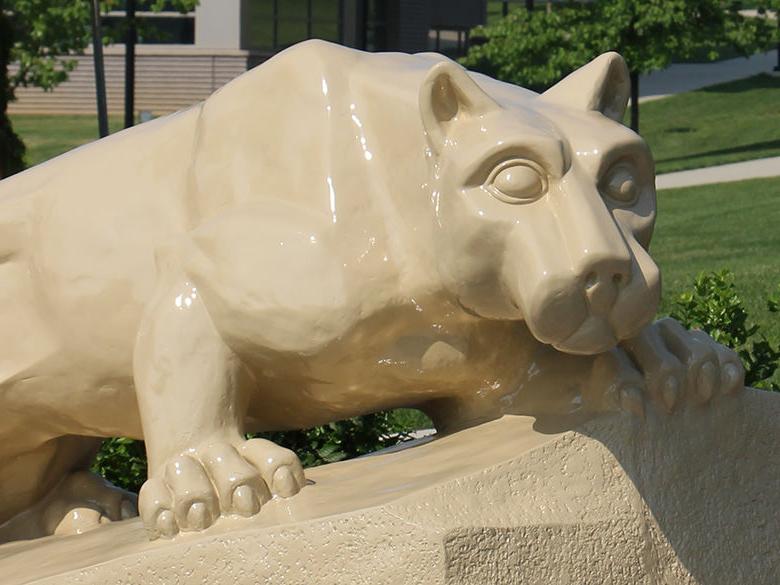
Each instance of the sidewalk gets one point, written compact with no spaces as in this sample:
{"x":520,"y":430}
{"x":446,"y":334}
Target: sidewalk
{"x":690,"y":76}
{"x":752,"y":169}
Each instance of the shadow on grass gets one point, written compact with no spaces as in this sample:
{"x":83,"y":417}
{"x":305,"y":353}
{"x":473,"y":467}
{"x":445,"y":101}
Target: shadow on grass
{"x":761,"y":81}
{"x":767,"y":144}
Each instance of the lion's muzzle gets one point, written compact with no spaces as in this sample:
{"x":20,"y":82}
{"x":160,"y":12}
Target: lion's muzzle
{"x":568,"y":285}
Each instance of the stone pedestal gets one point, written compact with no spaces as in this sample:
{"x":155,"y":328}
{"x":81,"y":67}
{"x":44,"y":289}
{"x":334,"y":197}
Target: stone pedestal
{"x":688,"y":498}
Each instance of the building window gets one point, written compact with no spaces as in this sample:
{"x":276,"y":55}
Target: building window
{"x":452,"y":42}
{"x":375,"y":25}
{"x":498,"y":9}
{"x":165,"y":27}
{"x":272,"y":25}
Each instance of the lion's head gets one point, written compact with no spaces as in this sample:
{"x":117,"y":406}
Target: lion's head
{"x":544,"y":204}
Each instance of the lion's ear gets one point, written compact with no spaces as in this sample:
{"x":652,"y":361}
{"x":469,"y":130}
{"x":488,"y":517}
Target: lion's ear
{"x":603,"y":85}
{"x":448,"y":96}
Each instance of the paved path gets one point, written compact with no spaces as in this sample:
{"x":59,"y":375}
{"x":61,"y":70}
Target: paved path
{"x":762,"y":167}
{"x":689,"y":76}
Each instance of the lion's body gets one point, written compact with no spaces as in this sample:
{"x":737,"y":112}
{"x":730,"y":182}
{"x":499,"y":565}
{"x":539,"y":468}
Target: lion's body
{"x":81,"y":233}
{"x":315,"y":241}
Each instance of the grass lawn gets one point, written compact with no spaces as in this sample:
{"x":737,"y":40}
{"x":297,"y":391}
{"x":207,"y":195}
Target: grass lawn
{"x":731,"y":225}
{"x":48,"y":136}
{"x":720,"y":124}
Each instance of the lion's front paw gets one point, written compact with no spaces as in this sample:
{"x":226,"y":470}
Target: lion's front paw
{"x":83,"y":501}
{"x":670,"y":364}
{"x":194,"y":488}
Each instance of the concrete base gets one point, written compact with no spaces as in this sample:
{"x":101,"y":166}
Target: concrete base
{"x":688,"y":498}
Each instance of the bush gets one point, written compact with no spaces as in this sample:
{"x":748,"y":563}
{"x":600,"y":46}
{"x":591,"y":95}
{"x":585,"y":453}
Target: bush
{"x":343,"y":439}
{"x":714,"y":306}
{"x":122,"y":461}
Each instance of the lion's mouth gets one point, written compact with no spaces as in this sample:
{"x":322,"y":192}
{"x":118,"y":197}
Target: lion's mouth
{"x":594,"y":335}
{"x":466,"y":309}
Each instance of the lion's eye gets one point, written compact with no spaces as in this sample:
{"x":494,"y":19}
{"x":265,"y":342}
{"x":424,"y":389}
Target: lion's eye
{"x":517,"y":183}
{"x":620,"y":185}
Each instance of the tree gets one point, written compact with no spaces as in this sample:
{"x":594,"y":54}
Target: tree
{"x":11,"y":148}
{"x":40,"y":37}
{"x":537,"y":48}
{"x":531,"y":48}
{"x":650,"y":34}
{"x":34,"y":34}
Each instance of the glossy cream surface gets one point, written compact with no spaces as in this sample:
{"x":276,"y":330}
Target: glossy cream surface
{"x":331,"y":234}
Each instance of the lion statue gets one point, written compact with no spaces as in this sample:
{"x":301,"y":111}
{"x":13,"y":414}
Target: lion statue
{"x":331,"y":234}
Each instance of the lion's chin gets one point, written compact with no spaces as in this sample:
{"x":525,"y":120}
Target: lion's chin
{"x":594,"y":335}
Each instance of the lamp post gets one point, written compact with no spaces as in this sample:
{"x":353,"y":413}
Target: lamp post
{"x":529,"y":5}
{"x":100,"y":75}
{"x":777,"y":18}
{"x":131,"y":38}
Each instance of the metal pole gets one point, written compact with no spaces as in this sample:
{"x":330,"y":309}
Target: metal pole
{"x":100,"y":76}
{"x":308,"y":19}
{"x":777,"y":17}
{"x":529,"y":5}
{"x":275,"y":18}
{"x":131,"y":37}
{"x":505,"y":7}
{"x":777,"y":67}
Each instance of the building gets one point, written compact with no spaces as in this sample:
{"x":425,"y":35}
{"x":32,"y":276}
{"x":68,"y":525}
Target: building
{"x":182,"y":58}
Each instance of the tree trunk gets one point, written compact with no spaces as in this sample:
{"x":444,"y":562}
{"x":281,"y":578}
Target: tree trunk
{"x":11,"y":147}
{"x":634,"y":101}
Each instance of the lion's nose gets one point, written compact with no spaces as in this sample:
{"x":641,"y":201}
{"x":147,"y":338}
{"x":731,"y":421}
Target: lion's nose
{"x":603,"y":281}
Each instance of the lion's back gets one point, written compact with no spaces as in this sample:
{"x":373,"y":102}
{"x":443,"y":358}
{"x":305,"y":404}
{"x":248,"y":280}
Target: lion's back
{"x":78,"y":233}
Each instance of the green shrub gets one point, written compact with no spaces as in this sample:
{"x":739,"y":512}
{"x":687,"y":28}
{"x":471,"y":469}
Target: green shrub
{"x":714,"y":306}
{"x":344,"y":439}
{"x":122,"y":461}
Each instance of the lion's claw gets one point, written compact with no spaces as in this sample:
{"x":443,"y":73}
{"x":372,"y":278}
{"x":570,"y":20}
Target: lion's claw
{"x":195,"y":488}
{"x":673,"y":366}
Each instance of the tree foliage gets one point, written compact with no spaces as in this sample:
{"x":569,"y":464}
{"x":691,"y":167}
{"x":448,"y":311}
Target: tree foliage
{"x":651,"y":33}
{"x":45,"y":33}
{"x":532,"y":48}
{"x":537,"y":48}
{"x":11,"y":147}
{"x":40,"y":38}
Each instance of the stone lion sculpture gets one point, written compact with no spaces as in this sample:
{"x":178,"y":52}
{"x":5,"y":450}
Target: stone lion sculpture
{"x":331,"y":234}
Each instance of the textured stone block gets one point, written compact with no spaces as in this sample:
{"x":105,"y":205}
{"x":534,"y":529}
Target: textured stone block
{"x":691,"y":498}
